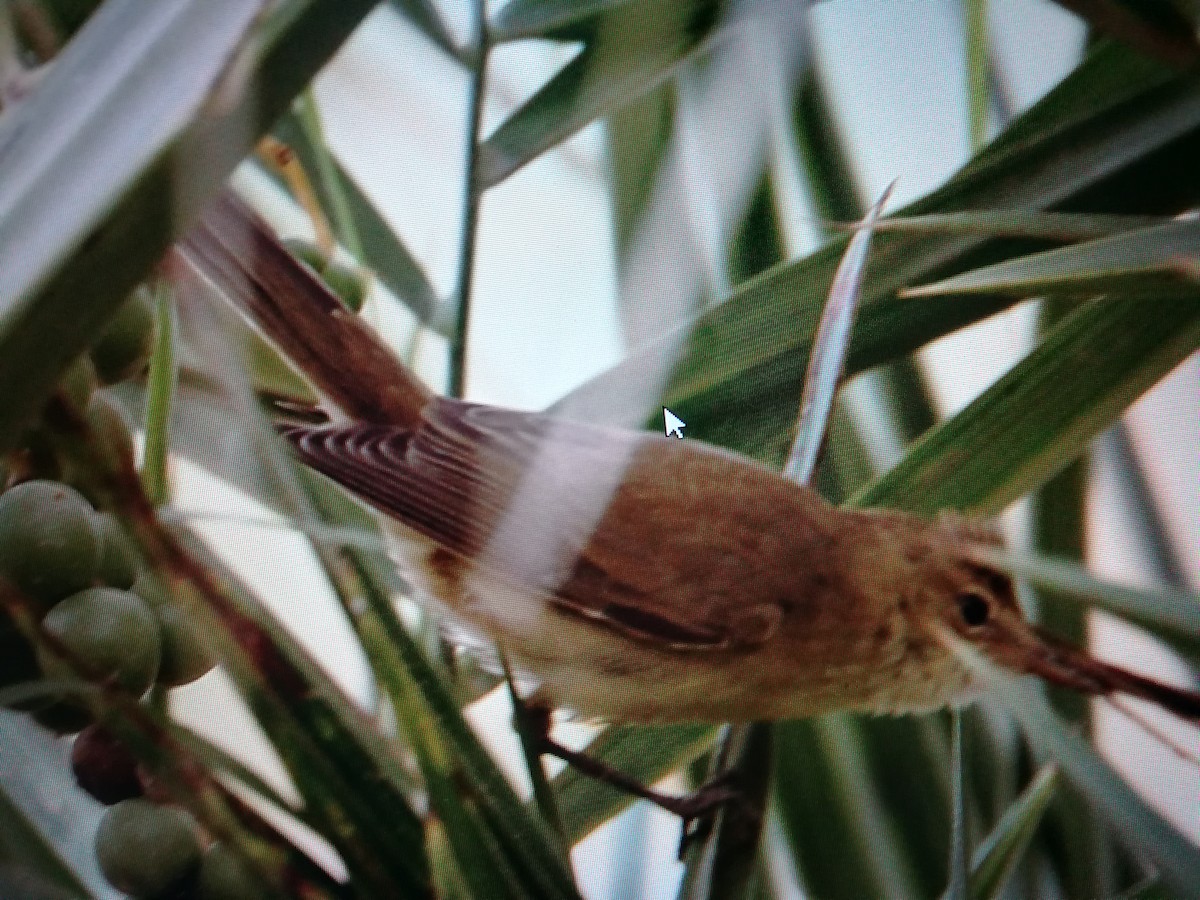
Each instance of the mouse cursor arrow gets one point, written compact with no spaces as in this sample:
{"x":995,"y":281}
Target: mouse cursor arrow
{"x":674,"y":424}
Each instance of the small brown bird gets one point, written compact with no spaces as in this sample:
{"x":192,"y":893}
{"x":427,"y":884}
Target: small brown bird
{"x":643,"y":578}
{"x":640,"y":577}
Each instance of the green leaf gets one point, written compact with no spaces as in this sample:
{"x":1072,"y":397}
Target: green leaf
{"x":995,"y":858}
{"x":1123,"y":263}
{"x":160,"y":389}
{"x":87,"y":199}
{"x":978,"y":93}
{"x":1177,"y":858}
{"x":737,"y":381}
{"x":1156,"y":28}
{"x":1042,"y":413}
{"x":28,"y":861}
{"x":548,"y":18}
{"x":425,"y":16}
{"x":485,"y":824}
{"x":845,"y":845}
{"x":382,"y":249}
{"x":636,"y":47}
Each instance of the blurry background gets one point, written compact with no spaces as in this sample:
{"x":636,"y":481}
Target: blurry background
{"x":802,"y":114}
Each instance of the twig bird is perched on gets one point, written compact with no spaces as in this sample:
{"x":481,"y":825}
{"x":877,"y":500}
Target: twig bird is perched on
{"x":639,"y":577}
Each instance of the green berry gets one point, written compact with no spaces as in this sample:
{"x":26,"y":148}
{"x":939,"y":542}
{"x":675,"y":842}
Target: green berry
{"x":78,"y":383}
{"x":104,"y":767}
{"x":124,"y":346}
{"x":147,"y":850}
{"x":113,"y":634}
{"x":184,"y":658}
{"x":110,"y":431}
{"x":223,"y":876}
{"x":48,"y":542}
{"x":346,"y":281}
{"x":118,"y":560}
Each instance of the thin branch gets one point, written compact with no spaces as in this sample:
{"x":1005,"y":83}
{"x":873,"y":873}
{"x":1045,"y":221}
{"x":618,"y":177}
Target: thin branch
{"x":471,"y":195}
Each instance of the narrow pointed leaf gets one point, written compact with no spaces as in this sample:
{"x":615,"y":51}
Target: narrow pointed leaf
{"x":636,"y":47}
{"x":1177,"y":858}
{"x":28,"y":858}
{"x":86,"y":198}
{"x":1000,"y":852}
{"x":382,"y":249}
{"x":1154,"y":262}
{"x":1109,"y":116}
{"x":1043,"y":412}
{"x":548,"y":18}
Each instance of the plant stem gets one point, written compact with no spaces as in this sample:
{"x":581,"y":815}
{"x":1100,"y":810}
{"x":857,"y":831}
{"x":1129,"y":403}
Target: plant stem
{"x":160,"y":391}
{"x":471,"y":198}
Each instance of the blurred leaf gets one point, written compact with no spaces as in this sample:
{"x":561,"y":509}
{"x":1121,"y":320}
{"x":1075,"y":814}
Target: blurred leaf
{"x":737,"y":383}
{"x":494,"y":839}
{"x":548,"y":18}
{"x":160,"y":389}
{"x":995,"y":858}
{"x":425,"y":16}
{"x":382,"y":250}
{"x":636,"y":47}
{"x":88,"y":202}
{"x":1157,"y":28}
{"x":27,"y":856}
{"x":638,"y":134}
{"x":1123,"y":263}
{"x":845,"y":844}
{"x":978,"y":89}
{"x":1177,"y":858}
{"x":1020,"y":223}
{"x":1042,"y":413}
{"x":1080,"y":847}
{"x":822,"y":149}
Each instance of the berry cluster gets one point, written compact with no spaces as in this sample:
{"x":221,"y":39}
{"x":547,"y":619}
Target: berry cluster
{"x":105,"y":618}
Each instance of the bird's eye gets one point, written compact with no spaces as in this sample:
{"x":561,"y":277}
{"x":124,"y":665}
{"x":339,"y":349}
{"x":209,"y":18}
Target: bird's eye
{"x":973,"y":607}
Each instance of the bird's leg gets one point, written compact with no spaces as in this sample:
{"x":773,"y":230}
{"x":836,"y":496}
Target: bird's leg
{"x":694,"y":809}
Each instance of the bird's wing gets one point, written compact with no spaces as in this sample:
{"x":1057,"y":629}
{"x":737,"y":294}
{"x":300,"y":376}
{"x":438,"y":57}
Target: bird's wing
{"x":583,"y":515}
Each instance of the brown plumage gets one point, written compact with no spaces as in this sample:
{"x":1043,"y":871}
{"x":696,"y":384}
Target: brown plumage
{"x":645,"y":578}
{"x":640,"y":577}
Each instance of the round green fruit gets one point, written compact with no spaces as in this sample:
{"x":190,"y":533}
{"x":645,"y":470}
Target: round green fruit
{"x":78,"y":383}
{"x":48,"y":542}
{"x":118,"y":560}
{"x":184,"y":658}
{"x":147,"y":850}
{"x":110,"y":431}
{"x":112,"y":633}
{"x":124,"y":346}
{"x":223,"y":876}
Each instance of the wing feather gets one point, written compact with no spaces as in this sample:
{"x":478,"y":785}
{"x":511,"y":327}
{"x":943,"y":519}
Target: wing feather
{"x":581,"y":514}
